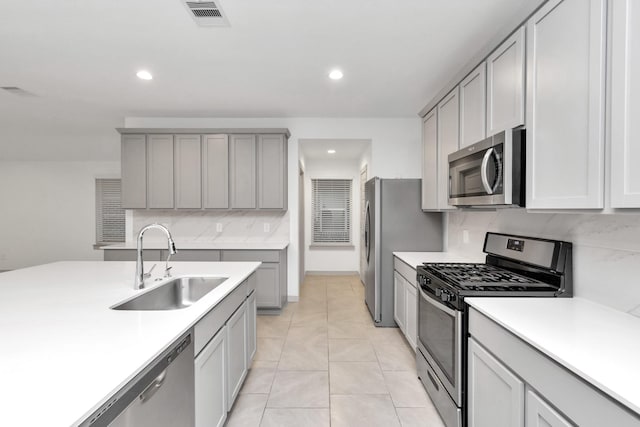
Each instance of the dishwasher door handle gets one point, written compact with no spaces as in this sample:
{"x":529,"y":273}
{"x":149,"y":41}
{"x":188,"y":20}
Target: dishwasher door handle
{"x":153,"y":387}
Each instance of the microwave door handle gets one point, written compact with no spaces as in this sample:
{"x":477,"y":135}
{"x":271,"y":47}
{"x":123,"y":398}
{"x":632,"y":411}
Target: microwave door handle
{"x":483,"y":172}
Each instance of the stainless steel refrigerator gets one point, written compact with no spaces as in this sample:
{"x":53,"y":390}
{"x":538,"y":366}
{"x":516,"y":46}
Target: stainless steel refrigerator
{"x":394,"y":222}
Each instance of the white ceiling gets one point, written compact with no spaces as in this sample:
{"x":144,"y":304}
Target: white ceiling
{"x":80,"y":57}
{"x":346,"y":149}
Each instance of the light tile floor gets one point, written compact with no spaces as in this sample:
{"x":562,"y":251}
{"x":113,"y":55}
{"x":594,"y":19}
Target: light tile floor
{"x":323,"y":363}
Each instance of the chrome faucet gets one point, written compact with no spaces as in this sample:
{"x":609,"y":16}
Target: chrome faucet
{"x":140,"y":274}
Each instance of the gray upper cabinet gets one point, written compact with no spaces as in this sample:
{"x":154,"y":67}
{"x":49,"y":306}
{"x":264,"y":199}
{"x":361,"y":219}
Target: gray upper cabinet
{"x":134,"y":171}
{"x":506,"y":84}
{"x":222,"y":169}
{"x":430,"y":161}
{"x":625,"y":104}
{"x":215,"y":168}
{"x":160,"y":171}
{"x":448,"y":142}
{"x":473,"y":107}
{"x":272,"y":170}
{"x":565,"y":105}
{"x":188,"y":172}
{"x":242,"y":162}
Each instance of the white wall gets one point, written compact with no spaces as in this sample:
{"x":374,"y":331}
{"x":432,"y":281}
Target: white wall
{"x":395,"y":153}
{"x":48,"y":211}
{"x":606,"y":248}
{"x":332,"y":259}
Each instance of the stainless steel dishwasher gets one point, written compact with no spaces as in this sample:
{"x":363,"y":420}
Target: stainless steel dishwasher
{"x":161,"y":395}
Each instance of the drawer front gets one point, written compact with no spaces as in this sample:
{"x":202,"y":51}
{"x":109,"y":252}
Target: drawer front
{"x":131,"y":255}
{"x":264,"y":256}
{"x":211,"y":323}
{"x":409,"y":273}
{"x":581,"y":402}
{"x":194,"y":255}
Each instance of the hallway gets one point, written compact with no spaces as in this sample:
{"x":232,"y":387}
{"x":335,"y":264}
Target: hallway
{"x":322,"y":362}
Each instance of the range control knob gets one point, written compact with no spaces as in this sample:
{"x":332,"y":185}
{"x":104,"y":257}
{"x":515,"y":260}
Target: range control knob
{"x":424,"y":280}
{"x":445,"y":296}
{"x":439,"y":292}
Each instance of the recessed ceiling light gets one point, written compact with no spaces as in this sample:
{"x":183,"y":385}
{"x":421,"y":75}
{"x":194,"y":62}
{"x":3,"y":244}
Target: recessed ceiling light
{"x":331,"y":151}
{"x":335,"y":75}
{"x":144,"y":75}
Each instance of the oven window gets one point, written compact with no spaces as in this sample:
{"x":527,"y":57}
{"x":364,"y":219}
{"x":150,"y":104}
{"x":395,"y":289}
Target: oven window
{"x":438,"y":334}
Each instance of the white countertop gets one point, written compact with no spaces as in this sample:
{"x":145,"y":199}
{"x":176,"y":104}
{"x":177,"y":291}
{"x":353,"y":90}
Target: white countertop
{"x":64,"y":352}
{"x":231,"y":245}
{"x":414,"y":259}
{"x":597,"y":343}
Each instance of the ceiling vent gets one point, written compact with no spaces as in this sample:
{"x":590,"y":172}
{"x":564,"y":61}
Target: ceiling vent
{"x":14,"y":90}
{"x":207,"y":13}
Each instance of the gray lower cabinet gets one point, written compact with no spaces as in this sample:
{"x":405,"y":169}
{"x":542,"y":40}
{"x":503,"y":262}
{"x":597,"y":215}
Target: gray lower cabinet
{"x":496,"y":396}
{"x":271,"y":276}
{"x":540,"y":414}
{"x":207,"y":255}
{"x":511,"y":383}
{"x":134,"y":171}
{"x":251,"y":327}
{"x":188,"y":171}
{"x":272,"y":172}
{"x":236,"y":353}
{"x":242,"y":171}
{"x":223,"y":353}
{"x":211,"y":382}
{"x":160,"y":171}
{"x":130,"y":255}
{"x":268,"y":291}
{"x":215,"y":169}
{"x":161,"y":255}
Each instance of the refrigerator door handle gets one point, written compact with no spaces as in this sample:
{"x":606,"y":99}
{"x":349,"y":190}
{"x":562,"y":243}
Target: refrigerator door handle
{"x":367,"y":232}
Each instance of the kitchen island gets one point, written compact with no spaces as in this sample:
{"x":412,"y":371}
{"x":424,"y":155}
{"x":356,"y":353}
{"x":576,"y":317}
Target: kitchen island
{"x":65,"y":352}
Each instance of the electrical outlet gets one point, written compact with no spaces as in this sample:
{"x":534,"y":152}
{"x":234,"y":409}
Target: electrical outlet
{"x":465,"y":236}
{"x":267,"y":227}
{"x":218,"y":227}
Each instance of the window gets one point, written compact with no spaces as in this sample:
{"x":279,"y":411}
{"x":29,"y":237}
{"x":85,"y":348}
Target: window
{"x":331,"y":210}
{"x":110,"y":224}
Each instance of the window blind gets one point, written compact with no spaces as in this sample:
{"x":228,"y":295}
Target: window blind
{"x":331,"y":208}
{"x":110,"y":223}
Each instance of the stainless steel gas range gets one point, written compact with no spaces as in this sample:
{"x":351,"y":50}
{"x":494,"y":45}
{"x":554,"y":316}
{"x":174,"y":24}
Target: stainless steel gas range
{"x":515,"y":266}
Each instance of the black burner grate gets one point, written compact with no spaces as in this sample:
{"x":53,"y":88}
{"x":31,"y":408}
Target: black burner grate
{"x":480,"y":276}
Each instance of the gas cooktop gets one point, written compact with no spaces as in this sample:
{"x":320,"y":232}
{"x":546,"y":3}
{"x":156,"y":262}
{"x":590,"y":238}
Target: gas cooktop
{"x":480,"y":277}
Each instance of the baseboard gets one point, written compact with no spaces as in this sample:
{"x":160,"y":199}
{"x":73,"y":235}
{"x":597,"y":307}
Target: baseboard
{"x":332,"y":273}
{"x":293,"y":298}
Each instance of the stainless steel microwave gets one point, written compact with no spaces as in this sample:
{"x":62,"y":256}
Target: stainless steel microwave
{"x":490,"y":172}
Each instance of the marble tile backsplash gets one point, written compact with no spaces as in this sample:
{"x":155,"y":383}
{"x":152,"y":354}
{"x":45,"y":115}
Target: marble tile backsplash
{"x":606,"y":247}
{"x":204,"y":227}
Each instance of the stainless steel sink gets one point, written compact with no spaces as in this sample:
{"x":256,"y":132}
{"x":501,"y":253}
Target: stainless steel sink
{"x":180,"y":292}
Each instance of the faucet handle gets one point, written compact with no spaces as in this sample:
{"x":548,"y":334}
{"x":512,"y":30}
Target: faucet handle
{"x":147,"y":275}
{"x":167,"y":272}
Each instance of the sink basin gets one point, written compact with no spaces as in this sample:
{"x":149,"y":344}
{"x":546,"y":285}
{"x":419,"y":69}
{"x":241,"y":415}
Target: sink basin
{"x":180,"y":292}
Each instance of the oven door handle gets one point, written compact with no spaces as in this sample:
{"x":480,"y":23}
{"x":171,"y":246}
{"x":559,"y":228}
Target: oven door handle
{"x":437,"y":304}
